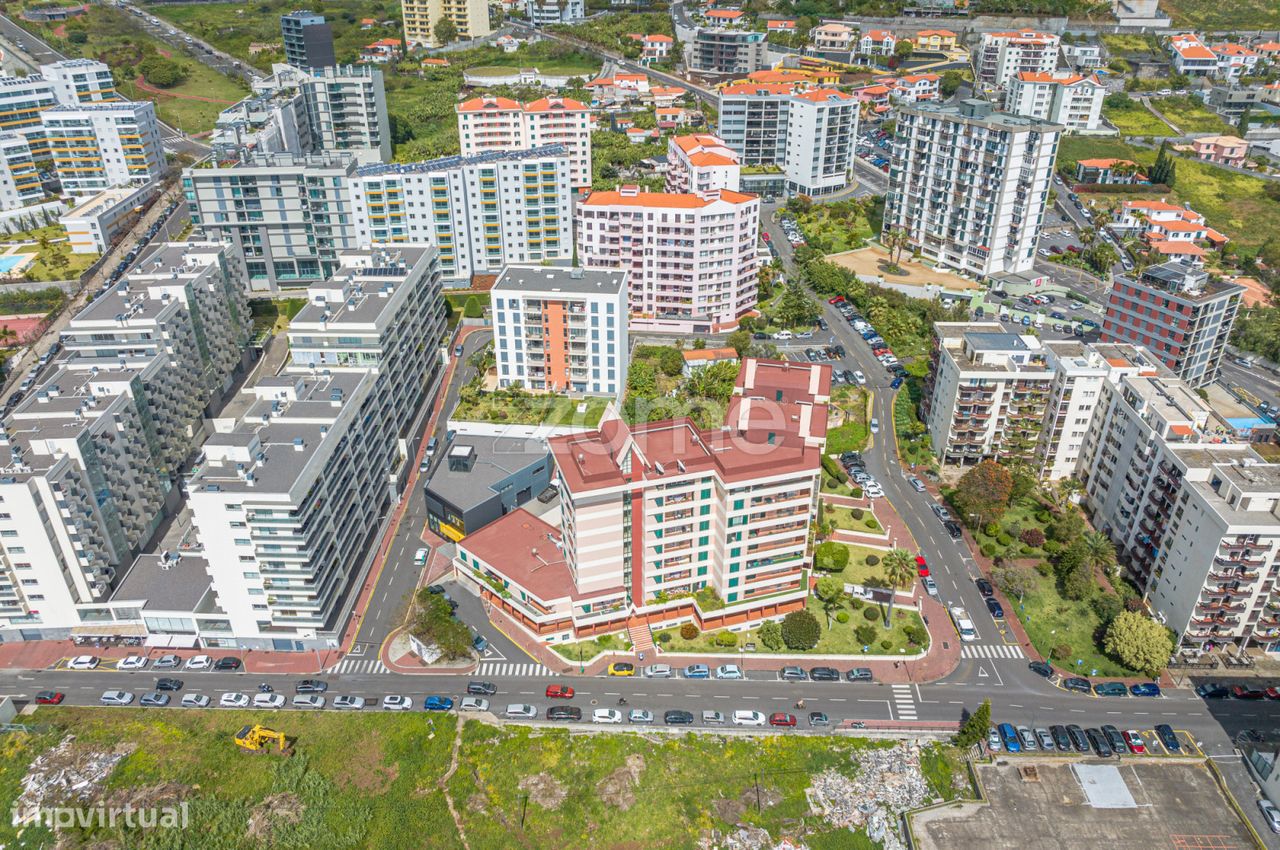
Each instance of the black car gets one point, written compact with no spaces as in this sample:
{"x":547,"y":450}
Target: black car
{"x":840,"y":352}
{"x":984,"y":587}
{"x":851,"y":457}
{"x":824,"y":674}
{"x":483,"y":689}
{"x":759,"y":336}
{"x":1168,"y":738}
{"x":311,"y":686}
{"x":228,"y":662}
{"x":859,"y":674}
{"x":1041,"y":668}
{"x":564,"y":712}
{"x":1075,"y":683}
{"x":168,"y":684}
{"x":1210,"y":691}
{"x":1115,"y":739}
{"x":1061,"y":739}
{"x":435,"y":588}
{"x":997,"y":611}
{"x":675,"y":717}
{"x":954,"y":531}
{"x":1078,"y":738}
{"x":1098,"y":742}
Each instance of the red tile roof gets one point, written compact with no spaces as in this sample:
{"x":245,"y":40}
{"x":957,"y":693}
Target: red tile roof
{"x":659,"y":200}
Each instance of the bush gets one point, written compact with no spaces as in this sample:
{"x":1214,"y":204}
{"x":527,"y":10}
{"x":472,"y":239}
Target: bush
{"x":856,"y":513}
{"x":856,"y":492}
{"x":726,"y":638}
{"x":688,"y":631}
{"x":664,"y":637}
{"x":1106,"y":606}
{"x":871,"y":614}
{"x":917,"y":635}
{"x":770,"y":634}
{"x":988,"y":549}
{"x":886,"y":645}
{"x":1078,"y":584}
{"x":1044,"y":568}
{"x":472,"y":309}
{"x":800,"y":630}
{"x":830,"y":557}
{"x":1003,"y":539}
{"x":991,"y":529}
{"x":1043,"y":517}
{"x":1133,"y":603}
{"x":1051,"y":547}
{"x":1032,"y":537}
{"x":161,"y":72}
{"x":842,"y":617}
{"x":865,"y":634}
{"x":857,"y":604}
{"x":871,"y":560}
{"x":1061,"y":652}
{"x":872,"y":524}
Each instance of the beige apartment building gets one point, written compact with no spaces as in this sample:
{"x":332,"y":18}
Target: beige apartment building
{"x":471,"y":17}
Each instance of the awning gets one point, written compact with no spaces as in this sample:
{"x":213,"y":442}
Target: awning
{"x":171,"y":641}
{"x":109,"y":630}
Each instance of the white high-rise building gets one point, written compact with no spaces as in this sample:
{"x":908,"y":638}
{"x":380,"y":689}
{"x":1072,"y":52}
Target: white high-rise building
{"x":99,"y":146}
{"x":692,"y":259}
{"x":484,"y":212}
{"x":502,"y":124}
{"x":969,"y":185}
{"x":19,"y":177}
{"x":1061,"y":97}
{"x":543,"y":12}
{"x":1002,"y":55}
{"x":77,"y":81}
{"x":701,"y":163}
{"x":561,"y":330}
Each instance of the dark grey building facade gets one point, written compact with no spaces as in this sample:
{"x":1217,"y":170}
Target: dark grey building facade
{"x":480,"y":479}
{"x":308,"y":40}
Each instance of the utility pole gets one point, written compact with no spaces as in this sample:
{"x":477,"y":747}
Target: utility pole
{"x":757,"y":792}
{"x":524,"y":805}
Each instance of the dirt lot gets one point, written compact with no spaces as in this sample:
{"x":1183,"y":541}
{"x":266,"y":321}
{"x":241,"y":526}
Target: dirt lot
{"x":1176,"y":806}
{"x":868,"y":261}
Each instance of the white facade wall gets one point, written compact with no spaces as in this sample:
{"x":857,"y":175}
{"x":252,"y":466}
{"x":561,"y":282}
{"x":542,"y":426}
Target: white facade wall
{"x":98,"y":147}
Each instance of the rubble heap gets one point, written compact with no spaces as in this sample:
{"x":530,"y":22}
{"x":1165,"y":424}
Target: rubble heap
{"x":888,"y":783}
{"x":745,"y":837}
{"x":69,"y":771}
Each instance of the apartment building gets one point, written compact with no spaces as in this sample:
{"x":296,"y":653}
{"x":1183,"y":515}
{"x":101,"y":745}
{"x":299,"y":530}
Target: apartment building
{"x":484,"y":212}
{"x":1003,"y":55}
{"x":719,"y":51}
{"x":19,"y":178}
{"x":653,"y":513}
{"x":1168,"y":230}
{"x":692,"y":259}
{"x":100,"y":146}
{"x":657,"y":47}
{"x":287,"y":214}
{"x":700,"y":164}
{"x":969,"y":185}
{"x":561,"y":330}
{"x":985,"y":394}
{"x":308,"y":40}
{"x":502,"y":124}
{"x":77,"y":81}
{"x":1075,"y":392}
{"x":1177,"y":313}
{"x":1082,"y":57}
{"x":93,"y":226}
{"x":877,"y":43}
{"x":1191,"y":57}
{"x":913,"y":88}
{"x":809,"y":133}
{"x":540,"y":13}
{"x":471,"y":17}
{"x":832,"y":38}
{"x":22,"y":99}
{"x":346,"y":108}
{"x":1060,"y":97}
{"x":288,"y":498}
{"x":1220,"y":150}
{"x":1235,"y":60}
{"x":937,"y":41}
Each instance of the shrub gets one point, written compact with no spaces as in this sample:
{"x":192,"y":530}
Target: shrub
{"x":1051,"y":547}
{"x":1106,"y":606}
{"x":856,"y":513}
{"x":988,"y":549}
{"x":917,"y":635}
{"x":162,"y":72}
{"x":1032,"y":537}
{"x":800,"y":630}
{"x":872,"y":524}
{"x":842,"y":617}
{"x":472,"y":309}
{"x":1061,"y":652}
{"x":856,"y":492}
{"x":991,"y":529}
{"x":770,"y":634}
{"x":830,"y":557}
{"x":871,"y":614}
{"x":1133,"y":603}
{"x":1003,"y":539}
{"x":1043,"y":516}
{"x":726,"y":638}
{"x":1044,"y":568}
{"x":886,"y":645}
{"x":857,"y":604}
{"x":871,"y":560}
{"x":1078,"y":584}
{"x":865,"y":634}
{"x":664,"y":637}
{"x":688,"y":631}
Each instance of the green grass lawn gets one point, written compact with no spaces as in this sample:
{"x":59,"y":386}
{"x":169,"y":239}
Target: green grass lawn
{"x":46,"y":268}
{"x":585,"y":650}
{"x":843,"y":518}
{"x":1121,"y":44}
{"x":858,"y":571}
{"x":1051,"y":620}
{"x":833,"y":229}
{"x":1233,"y":203}
{"x":531,"y":409}
{"x":852,"y":434}
{"x":1191,"y":115}
{"x":271,"y":316}
{"x":1210,"y":14}
{"x":838,"y":639}
{"x":1137,"y":120}
{"x":1020,"y":517}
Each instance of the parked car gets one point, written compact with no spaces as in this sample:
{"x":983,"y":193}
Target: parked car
{"x":1045,"y":740}
{"x":132,"y":662}
{"x":748,"y":718}
{"x":520,"y":711}
{"x":1111,"y":689}
{"x":1270,"y":814}
{"x":310,"y":686}
{"x":659,"y":671}
{"x":399,"y":702}
{"x":1027,"y":739}
{"x":1061,"y":739}
{"x":995,"y":608}
{"x":1168,"y":737}
{"x":1133,"y":740}
{"x":233,"y":700}
{"x":1145,"y":689}
{"x":1098,"y":742}
{"x":697,"y":671}
{"x":50,"y":698}
{"x":564,"y":712}
{"x":782,"y":719}
{"x":993,"y":740}
{"x":349,"y":703}
{"x":729,"y":671}
{"x":954,"y":531}
{"x":1078,"y":738}
{"x":818,"y":719}
{"x":1212,"y":691}
{"x":195,"y":701}
{"x":940,"y":512}
{"x":1243,"y":692}
{"x":1114,"y":739}
{"x":1077,"y":684}
{"x":713,"y":718}
{"x":83,"y":662}
{"x":791,"y":674}
{"x":922,"y":566}
{"x":168,"y":684}
{"x":824,"y":674}
{"x":606,"y":715}
{"x":154,"y":699}
{"x":1041,"y":668}
{"x":930,"y":586}
{"x":227,"y":663}
{"x":916,"y":483}
{"x":621,"y":668}
{"x":167,"y":662}
{"x":268,"y":701}
{"x":640,"y":715}
{"x":308,"y":701}
{"x":859,"y":674}
{"x":677,"y":717}
{"x":1009,"y":738}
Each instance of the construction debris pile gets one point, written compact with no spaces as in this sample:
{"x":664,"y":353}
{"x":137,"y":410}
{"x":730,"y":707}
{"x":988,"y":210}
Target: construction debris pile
{"x":744,"y":837}
{"x":67,"y":772}
{"x":888,"y":783}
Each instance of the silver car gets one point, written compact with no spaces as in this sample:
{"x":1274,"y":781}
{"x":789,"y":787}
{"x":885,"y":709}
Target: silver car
{"x":167,"y":662}
{"x":116,"y":698}
{"x":154,"y":698}
{"x":195,"y":701}
{"x":658,"y":671}
{"x":520,"y":711}
{"x":308,"y":701}
{"x":1028,"y":739}
{"x":640,"y":715}
{"x":473,"y":704}
{"x":349,"y":703}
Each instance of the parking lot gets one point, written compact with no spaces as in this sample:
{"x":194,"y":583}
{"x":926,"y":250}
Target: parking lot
{"x":1167,"y":805}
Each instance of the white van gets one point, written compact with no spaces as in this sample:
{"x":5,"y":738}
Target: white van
{"x":962,"y":623}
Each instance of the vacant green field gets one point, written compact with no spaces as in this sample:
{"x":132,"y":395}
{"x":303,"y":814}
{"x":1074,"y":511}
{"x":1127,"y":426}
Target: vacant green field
{"x":1136,"y":120}
{"x":1236,"y":15}
{"x":374,"y":781}
{"x":1120,"y":44}
{"x":1191,"y":115}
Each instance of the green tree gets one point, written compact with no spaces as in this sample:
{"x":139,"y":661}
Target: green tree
{"x":900,"y":571}
{"x":445,"y":31}
{"x":830,"y":592}
{"x":795,"y":308}
{"x":903,"y":50}
{"x":895,"y":240}
{"x":1139,"y":642}
{"x":739,"y":341}
{"x":472,"y":309}
{"x":983,"y":493}
{"x":830,"y":556}
{"x":976,"y":728}
{"x":1078,"y":584}
{"x":866,"y":634}
{"x":161,"y":72}
{"x":1164,"y":170}
{"x":1100,"y":552}
{"x":800,"y":631}
{"x":951,"y":82}
{"x":770,"y":634}
{"x":1013,"y":581}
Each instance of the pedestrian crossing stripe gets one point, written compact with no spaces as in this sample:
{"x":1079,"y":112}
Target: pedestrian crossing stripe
{"x":501,"y":668}
{"x":997,"y":651}
{"x":904,"y":702}
{"x":350,"y":666}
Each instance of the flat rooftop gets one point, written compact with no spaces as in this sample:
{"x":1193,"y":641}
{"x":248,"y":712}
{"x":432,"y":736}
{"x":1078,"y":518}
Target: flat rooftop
{"x":982,"y":341}
{"x":167,"y":581}
{"x":103,"y":201}
{"x":545,"y":279}
{"x":495,"y":459}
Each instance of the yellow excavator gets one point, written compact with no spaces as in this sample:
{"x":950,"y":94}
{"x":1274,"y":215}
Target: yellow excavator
{"x":259,"y":740}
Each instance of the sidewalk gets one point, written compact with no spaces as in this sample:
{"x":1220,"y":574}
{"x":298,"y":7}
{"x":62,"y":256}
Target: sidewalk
{"x":896,"y":534}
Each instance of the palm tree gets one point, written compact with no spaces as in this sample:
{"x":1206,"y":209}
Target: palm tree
{"x":1087,"y":235}
{"x":1100,"y":552}
{"x":899,"y":569}
{"x":8,"y":336}
{"x":896,"y":240}
{"x":1060,"y":496}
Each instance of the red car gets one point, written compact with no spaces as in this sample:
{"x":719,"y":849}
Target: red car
{"x":1241,"y":692}
{"x":1134,"y":742}
{"x":837,"y":300}
{"x":50,"y":697}
{"x":1273,"y":693}
{"x":922,"y":566}
{"x":781,"y":718}
{"x":764,"y":236}
{"x":559,"y":692}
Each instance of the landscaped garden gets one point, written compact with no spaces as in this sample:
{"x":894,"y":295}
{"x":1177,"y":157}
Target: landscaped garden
{"x":849,"y":408}
{"x":515,"y":406}
{"x":851,"y":519}
{"x":833,"y":227}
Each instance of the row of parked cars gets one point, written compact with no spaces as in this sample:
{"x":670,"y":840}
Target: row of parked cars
{"x":1081,"y":685}
{"x":1104,"y":742}
{"x":853,"y":465}
{"x":876,"y":148}
{"x":879,"y":348}
{"x":1217,"y":690}
{"x":792,"y":230}
{"x":225,"y":664}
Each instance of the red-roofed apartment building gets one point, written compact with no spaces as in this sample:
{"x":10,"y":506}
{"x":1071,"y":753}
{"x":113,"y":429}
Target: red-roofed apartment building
{"x":701,"y":164}
{"x":1191,"y":57}
{"x":656,"y":47}
{"x":503,"y":124}
{"x":1170,"y":231}
{"x":1005,"y":54}
{"x":877,"y":43}
{"x":654,"y":513}
{"x":1063,"y":97}
{"x":692,"y":258}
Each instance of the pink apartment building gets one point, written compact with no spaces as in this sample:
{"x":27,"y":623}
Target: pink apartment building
{"x":653,"y":513}
{"x":500,"y":123}
{"x":692,"y":258}
{"x":1220,"y":150}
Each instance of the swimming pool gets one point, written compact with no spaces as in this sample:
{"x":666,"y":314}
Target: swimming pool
{"x":8,"y":264}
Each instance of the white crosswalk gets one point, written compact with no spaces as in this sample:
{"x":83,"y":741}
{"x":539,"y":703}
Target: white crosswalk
{"x":904,"y":704}
{"x":997,"y":651}
{"x":505,"y":668}
{"x":359,"y":665}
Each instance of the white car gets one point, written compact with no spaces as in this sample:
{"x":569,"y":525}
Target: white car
{"x":873,"y":492}
{"x":640,"y":715}
{"x":234,"y":700}
{"x":729,"y":671}
{"x":860,"y":378}
{"x":875,"y":426}
{"x":133,"y":662}
{"x":395,"y":702}
{"x":116,"y":698}
{"x":749,"y":718}
{"x":420,"y":557}
{"x":606,"y":715}
{"x":83,"y":662}
{"x":198,"y":662}
{"x":930,"y":586}
{"x":308,"y":701}
{"x":268,"y":701}
{"x":349,"y":703}
{"x":659,"y":671}
{"x":473,"y":704}
{"x":520,"y":711}
{"x":195,"y":701}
